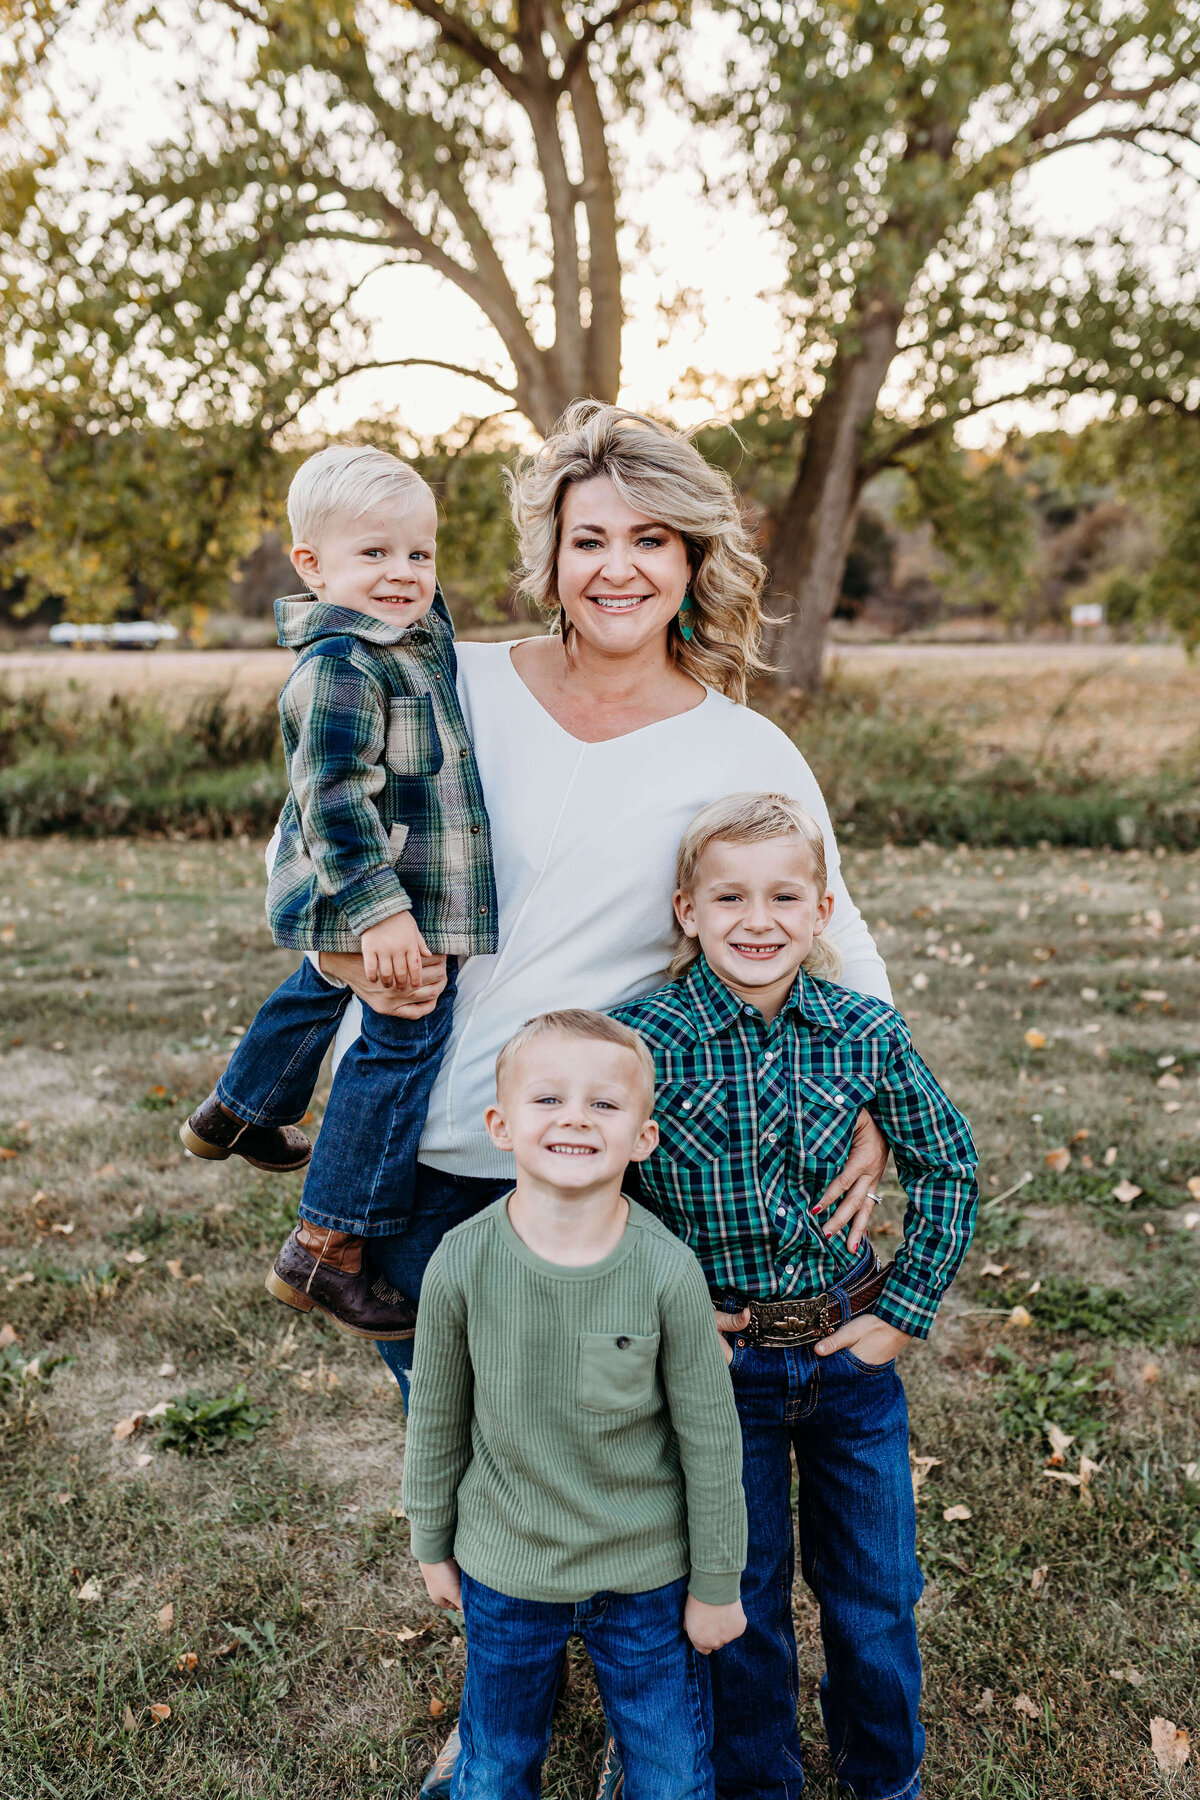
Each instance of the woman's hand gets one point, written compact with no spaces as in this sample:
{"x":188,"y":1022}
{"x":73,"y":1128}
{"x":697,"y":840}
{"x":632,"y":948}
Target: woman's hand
{"x":872,"y":1340}
{"x":862,"y":1174}
{"x":401,"y":1002}
{"x":443,"y":1582}
{"x":709,"y":1627}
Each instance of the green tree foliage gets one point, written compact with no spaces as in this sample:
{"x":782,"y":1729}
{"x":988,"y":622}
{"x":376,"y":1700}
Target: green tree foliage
{"x":891,"y":144}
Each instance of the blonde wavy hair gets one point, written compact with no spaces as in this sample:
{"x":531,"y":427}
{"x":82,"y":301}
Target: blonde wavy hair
{"x":661,"y":473}
{"x":752,"y":819}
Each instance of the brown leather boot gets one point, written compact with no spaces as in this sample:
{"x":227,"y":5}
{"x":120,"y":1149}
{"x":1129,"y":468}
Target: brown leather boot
{"x":322,"y":1271}
{"x":216,"y":1134}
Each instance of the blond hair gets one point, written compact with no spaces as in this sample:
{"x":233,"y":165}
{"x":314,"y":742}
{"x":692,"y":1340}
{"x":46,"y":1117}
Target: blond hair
{"x":346,"y":481}
{"x":752,"y":819}
{"x":579,"y":1022}
{"x":662,"y":474}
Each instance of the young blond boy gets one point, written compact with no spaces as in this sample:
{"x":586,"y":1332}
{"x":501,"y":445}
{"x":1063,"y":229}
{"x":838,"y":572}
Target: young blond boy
{"x":384,"y":850}
{"x":573,"y":1457}
{"x":763,"y":1064}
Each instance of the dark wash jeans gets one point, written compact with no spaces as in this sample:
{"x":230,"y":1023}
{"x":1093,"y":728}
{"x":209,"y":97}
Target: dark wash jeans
{"x":654,"y":1686}
{"x":362,"y":1175}
{"x":847,"y":1422}
{"x":439,"y":1201}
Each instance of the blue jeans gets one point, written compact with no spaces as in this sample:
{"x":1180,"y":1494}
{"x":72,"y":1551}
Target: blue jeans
{"x":847,"y":1423}
{"x":362,"y":1173}
{"x":438,"y":1202}
{"x":654,"y":1686}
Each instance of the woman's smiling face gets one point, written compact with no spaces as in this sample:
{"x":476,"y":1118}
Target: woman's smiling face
{"x":622,"y":575}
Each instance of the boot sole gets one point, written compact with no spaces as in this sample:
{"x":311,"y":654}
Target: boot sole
{"x":302,"y":1302}
{"x":198,"y":1146}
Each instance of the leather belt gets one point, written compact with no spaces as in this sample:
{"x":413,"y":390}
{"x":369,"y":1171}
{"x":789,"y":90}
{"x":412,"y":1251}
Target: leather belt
{"x":778,"y":1324}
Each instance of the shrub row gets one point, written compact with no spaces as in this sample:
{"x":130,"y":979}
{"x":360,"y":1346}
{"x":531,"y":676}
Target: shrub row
{"x":118,"y":769}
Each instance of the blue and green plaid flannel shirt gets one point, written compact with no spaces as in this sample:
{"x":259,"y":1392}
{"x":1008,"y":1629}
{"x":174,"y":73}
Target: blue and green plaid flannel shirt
{"x":755,"y":1121}
{"x":386,"y":809}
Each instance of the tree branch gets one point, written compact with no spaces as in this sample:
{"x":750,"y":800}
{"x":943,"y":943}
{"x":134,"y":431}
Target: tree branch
{"x":1131,"y":134}
{"x":457,"y":32}
{"x":920,"y":434}
{"x":391,"y":362}
{"x":587,"y":37}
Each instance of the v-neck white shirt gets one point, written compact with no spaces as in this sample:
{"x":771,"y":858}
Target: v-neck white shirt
{"x":584,"y":839}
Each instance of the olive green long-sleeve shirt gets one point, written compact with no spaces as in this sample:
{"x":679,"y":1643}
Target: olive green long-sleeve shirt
{"x":573,"y":1430}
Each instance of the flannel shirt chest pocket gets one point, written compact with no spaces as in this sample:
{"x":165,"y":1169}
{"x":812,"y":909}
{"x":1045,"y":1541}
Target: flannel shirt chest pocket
{"x":413,"y":745}
{"x":693,"y":1122}
{"x":829,"y":1106}
{"x":617,"y":1370}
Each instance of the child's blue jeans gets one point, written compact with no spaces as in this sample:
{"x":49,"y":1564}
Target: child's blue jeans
{"x":654,"y":1686}
{"x":847,"y":1422}
{"x":364,"y":1162}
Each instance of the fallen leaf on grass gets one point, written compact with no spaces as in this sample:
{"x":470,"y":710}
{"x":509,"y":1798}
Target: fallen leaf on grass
{"x":1155,"y":996}
{"x":1193,"y":1186}
{"x":406,"y":1634}
{"x":175,"y":1268}
{"x":436,"y":1708}
{"x":1023,"y":1704}
{"x":1171,"y":1747}
{"x":6,"y":1155}
{"x":921,"y":1466}
{"x":1126,"y":1192}
{"x":986,"y":1702}
{"x":1151,"y":1373}
{"x":167,"y":1369}
{"x":165,"y":1620}
{"x":135,"y":1256}
{"x":1168,"y":1081}
{"x":1037,"y":1580}
{"x":1020,"y":1315}
{"x":1060,"y":1443}
{"x":129,"y":1721}
{"x":953,"y":1513}
{"x":64,"y":1499}
{"x":1035,"y":1039}
{"x":89,"y":1591}
{"x":187,"y":1662}
{"x":125,"y":1428}
{"x":1110,"y":1156}
{"x":1062,"y":1475}
{"x":1191,"y":1220}
{"x":387,"y":1662}
{"x":143,"y":1461}
{"x":159,"y":1711}
{"x":8,"y":1337}
{"x":105,"y":1170}
{"x":1128,"y":1674}
{"x":226,"y":1649}
{"x":996,"y":1269}
{"x":65,"y":1228}
{"x":195,"y":1280}
{"x":1059,"y":1160}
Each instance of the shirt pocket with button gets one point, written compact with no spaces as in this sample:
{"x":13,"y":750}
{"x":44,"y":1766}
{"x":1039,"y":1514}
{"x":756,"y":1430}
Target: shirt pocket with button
{"x":693,"y":1122}
{"x":617,"y":1371}
{"x":829,"y":1106}
{"x":413,"y":745}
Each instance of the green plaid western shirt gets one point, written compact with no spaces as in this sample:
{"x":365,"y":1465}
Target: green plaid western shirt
{"x":755,"y":1120}
{"x":386,"y":810}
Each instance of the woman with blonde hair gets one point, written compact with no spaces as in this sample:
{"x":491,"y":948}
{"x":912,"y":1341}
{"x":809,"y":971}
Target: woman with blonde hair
{"x":597,"y":743}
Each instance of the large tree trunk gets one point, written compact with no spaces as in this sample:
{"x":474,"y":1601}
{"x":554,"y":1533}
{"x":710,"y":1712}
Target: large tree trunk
{"x":808,"y":556}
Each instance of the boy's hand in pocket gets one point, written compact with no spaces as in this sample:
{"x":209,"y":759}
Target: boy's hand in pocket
{"x":872,"y":1340}
{"x":709,"y":1627}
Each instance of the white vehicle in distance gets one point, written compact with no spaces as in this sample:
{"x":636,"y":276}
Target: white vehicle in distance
{"x":133,"y":634}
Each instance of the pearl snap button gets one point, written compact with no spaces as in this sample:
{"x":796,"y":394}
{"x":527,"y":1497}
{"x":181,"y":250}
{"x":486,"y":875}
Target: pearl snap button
{"x":622,"y":1343}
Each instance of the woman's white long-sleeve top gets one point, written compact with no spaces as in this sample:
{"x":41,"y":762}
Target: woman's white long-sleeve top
{"x":584,"y":837}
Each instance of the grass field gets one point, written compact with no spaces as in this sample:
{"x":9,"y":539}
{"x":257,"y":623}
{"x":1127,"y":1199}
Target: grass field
{"x":264,"y":1592}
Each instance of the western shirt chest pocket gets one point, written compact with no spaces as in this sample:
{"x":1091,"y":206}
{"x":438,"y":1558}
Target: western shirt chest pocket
{"x":616,"y":1371}
{"x":693,"y":1122}
{"x":413,"y":744}
{"x":829,"y":1109}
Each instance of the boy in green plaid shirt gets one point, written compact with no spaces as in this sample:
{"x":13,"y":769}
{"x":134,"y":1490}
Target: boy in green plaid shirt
{"x":763,"y":1064}
{"x":384,"y":850}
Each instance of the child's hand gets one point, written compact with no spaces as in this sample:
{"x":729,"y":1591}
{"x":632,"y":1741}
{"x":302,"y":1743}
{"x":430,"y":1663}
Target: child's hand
{"x":872,"y":1340}
{"x":444,"y":1583}
{"x":392,"y":951}
{"x":711,"y":1626}
{"x":730,"y":1322}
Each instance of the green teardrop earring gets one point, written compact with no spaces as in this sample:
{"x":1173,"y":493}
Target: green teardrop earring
{"x":684,"y":616}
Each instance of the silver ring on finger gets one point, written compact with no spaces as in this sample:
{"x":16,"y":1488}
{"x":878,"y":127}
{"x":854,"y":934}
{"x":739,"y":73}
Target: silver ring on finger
{"x":875,"y":1199}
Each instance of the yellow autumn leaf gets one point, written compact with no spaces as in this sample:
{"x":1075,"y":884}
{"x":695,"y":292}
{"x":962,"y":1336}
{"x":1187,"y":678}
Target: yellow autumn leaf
{"x":1169,"y":1744}
{"x":1126,"y":1192}
{"x":1035,"y":1039}
{"x":1059,"y":1160}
